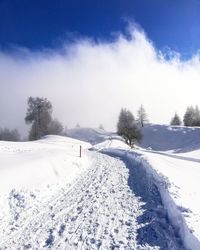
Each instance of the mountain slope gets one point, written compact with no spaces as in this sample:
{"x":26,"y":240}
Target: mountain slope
{"x":176,"y":138}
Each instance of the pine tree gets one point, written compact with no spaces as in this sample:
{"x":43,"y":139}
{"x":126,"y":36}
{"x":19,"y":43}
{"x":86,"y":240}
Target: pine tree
{"x":192,"y":116}
{"x":188,"y":118}
{"x":127,"y":127}
{"x":39,"y":115}
{"x":196,"y":116}
{"x":176,"y":121}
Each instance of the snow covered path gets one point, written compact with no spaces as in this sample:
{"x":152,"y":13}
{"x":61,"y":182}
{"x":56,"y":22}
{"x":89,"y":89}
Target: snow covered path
{"x":110,"y":206}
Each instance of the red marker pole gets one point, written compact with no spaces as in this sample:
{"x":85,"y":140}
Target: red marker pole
{"x":80,"y":151}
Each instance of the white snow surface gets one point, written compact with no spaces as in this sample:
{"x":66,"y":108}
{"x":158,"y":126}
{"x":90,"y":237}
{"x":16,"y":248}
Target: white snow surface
{"x":97,"y":210}
{"x":172,"y":161}
{"x":50,"y":198}
{"x":31,"y":164}
{"x":177,"y":159}
{"x":178,"y":139}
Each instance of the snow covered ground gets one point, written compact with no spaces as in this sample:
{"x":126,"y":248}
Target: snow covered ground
{"x":176,"y":172}
{"x":113,"y":197}
{"x":31,"y":164}
{"x":182,"y":177}
{"x":102,"y":208}
{"x":30,"y":168}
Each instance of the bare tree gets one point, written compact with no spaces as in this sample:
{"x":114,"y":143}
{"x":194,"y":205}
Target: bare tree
{"x":142,"y":116}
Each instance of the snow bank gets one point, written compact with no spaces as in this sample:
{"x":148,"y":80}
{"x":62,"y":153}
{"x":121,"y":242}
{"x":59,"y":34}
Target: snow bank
{"x":176,"y":138}
{"x":175,"y":216}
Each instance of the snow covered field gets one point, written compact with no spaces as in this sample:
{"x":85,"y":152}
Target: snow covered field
{"x":121,"y":199}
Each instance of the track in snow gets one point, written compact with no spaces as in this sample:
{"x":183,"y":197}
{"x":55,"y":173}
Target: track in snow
{"x":108,"y":207}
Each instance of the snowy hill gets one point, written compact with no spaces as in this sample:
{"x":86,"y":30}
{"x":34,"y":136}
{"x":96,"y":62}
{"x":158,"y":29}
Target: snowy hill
{"x":31,"y":164}
{"x":176,"y":138}
{"x":90,"y":135}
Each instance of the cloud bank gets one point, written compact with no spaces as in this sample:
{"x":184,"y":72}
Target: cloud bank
{"x":88,"y":82}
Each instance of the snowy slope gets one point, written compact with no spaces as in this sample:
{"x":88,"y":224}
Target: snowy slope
{"x":31,"y":164}
{"x":176,"y":138}
{"x":91,"y":135}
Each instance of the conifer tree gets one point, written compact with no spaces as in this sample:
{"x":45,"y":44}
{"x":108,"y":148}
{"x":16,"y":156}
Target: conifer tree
{"x":176,"y":121}
{"x":127,"y":127}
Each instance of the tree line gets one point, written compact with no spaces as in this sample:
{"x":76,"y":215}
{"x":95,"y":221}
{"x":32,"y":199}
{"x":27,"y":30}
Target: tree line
{"x":191,"y":117}
{"x":39,"y":116}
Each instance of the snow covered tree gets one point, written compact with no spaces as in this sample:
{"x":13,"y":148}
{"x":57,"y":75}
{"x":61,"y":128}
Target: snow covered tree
{"x":127,"y":127}
{"x":176,"y":121}
{"x":192,"y":116}
{"x":142,"y":116}
{"x":188,"y":118}
{"x":39,"y":116}
{"x":196,"y":116}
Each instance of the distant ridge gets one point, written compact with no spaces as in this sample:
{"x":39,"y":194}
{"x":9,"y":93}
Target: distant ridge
{"x":90,"y":135}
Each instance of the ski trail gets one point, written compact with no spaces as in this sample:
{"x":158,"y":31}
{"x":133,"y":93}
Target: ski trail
{"x":99,"y":211}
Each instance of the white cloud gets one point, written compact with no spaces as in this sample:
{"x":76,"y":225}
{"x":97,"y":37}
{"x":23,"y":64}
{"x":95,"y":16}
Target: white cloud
{"x":89,"y":82}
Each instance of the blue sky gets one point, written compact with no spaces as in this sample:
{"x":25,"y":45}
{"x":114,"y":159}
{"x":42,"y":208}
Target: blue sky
{"x":37,"y":24}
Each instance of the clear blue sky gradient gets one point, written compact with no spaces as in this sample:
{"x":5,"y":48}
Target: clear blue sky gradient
{"x":37,"y":24}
